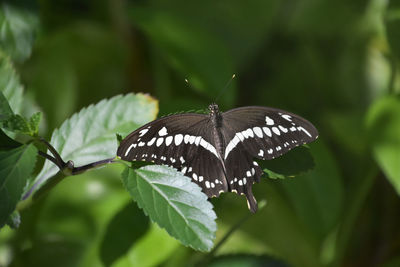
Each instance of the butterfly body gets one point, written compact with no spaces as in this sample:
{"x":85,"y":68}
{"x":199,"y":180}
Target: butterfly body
{"x":217,"y":150}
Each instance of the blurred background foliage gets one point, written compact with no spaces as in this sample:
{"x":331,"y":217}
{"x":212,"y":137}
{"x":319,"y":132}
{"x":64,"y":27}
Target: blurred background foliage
{"x":334,"y":62}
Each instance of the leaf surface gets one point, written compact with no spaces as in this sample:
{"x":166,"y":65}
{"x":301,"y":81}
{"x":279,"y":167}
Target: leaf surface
{"x":175,"y":203}
{"x":89,"y":135}
{"x":15,"y":168}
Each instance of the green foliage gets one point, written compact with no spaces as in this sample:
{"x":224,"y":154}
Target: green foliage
{"x":6,"y":143}
{"x":115,"y":242}
{"x":336,"y":63}
{"x":384,"y":131}
{"x":16,"y":166}
{"x":17,"y":31}
{"x":294,"y":163}
{"x":173,"y":202}
{"x":89,"y":135}
{"x":10,"y":84}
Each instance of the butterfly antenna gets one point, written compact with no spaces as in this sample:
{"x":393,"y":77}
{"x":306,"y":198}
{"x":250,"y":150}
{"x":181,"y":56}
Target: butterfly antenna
{"x":225,"y":87}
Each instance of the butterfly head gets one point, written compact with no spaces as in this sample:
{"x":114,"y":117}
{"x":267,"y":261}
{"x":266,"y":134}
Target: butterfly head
{"x":214,"y":109}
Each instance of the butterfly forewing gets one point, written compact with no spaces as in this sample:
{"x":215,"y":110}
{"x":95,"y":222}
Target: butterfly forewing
{"x":265,"y":133}
{"x":182,"y":141}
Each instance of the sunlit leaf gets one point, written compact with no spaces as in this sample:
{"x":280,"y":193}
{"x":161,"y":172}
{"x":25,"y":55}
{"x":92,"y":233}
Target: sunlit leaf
{"x":89,"y":135}
{"x":15,"y":168}
{"x":383,"y":122}
{"x":18,"y":28}
{"x":175,"y":203}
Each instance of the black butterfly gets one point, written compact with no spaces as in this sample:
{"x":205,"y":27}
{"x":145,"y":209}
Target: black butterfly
{"x":217,"y":150}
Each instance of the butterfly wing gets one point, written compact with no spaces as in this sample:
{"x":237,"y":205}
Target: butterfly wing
{"x":183,"y":141}
{"x":263,"y":133}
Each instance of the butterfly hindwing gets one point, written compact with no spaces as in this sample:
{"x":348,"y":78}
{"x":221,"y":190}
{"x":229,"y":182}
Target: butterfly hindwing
{"x":182,"y":141}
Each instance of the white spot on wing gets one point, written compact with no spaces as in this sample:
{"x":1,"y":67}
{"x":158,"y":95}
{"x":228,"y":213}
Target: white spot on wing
{"x":304,"y":130}
{"x":178,"y":139}
{"x":267,"y":131}
{"x":186,"y":138}
{"x":159,"y":141}
{"x":129,"y":149}
{"x":143,"y":132}
{"x":269,"y":121}
{"x":168,"y":140}
{"x":287,"y":117}
{"x":276,"y":130}
{"x":209,"y":147}
{"x":163,"y":131}
{"x":207,"y":184}
{"x":151,"y":142}
{"x":261,"y":153}
{"x":182,"y":160}
{"x":258,"y":131}
{"x":283,"y":129}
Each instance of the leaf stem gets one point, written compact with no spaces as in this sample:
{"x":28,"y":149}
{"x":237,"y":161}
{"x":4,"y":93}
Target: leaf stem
{"x":66,"y":169}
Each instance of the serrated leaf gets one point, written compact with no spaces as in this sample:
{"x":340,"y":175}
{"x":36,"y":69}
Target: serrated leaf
{"x":294,"y":163}
{"x":10,"y":84}
{"x":115,"y":242}
{"x":383,"y":123}
{"x":89,"y":135}
{"x":17,"y":31}
{"x":175,"y":203}
{"x":17,"y":124}
{"x":34,"y":122}
{"x":15,"y":168}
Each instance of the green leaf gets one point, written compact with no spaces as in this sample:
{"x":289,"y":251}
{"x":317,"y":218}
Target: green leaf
{"x":5,"y":109}
{"x":15,"y":168}
{"x":320,"y":190}
{"x":383,"y":123}
{"x":14,"y":220}
{"x":17,"y":31}
{"x":115,"y":242}
{"x":175,"y":203}
{"x":34,"y":122}
{"x":89,"y":135}
{"x":295,"y":162}
{"x":6,"y":143}
{"x":10,"y":84}
{"x":17,"y":124}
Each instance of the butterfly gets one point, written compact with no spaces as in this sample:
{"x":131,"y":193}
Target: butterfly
{"x":218,"y":150}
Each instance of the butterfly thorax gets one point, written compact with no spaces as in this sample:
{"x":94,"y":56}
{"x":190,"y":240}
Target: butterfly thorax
{"x":216,"y":119}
